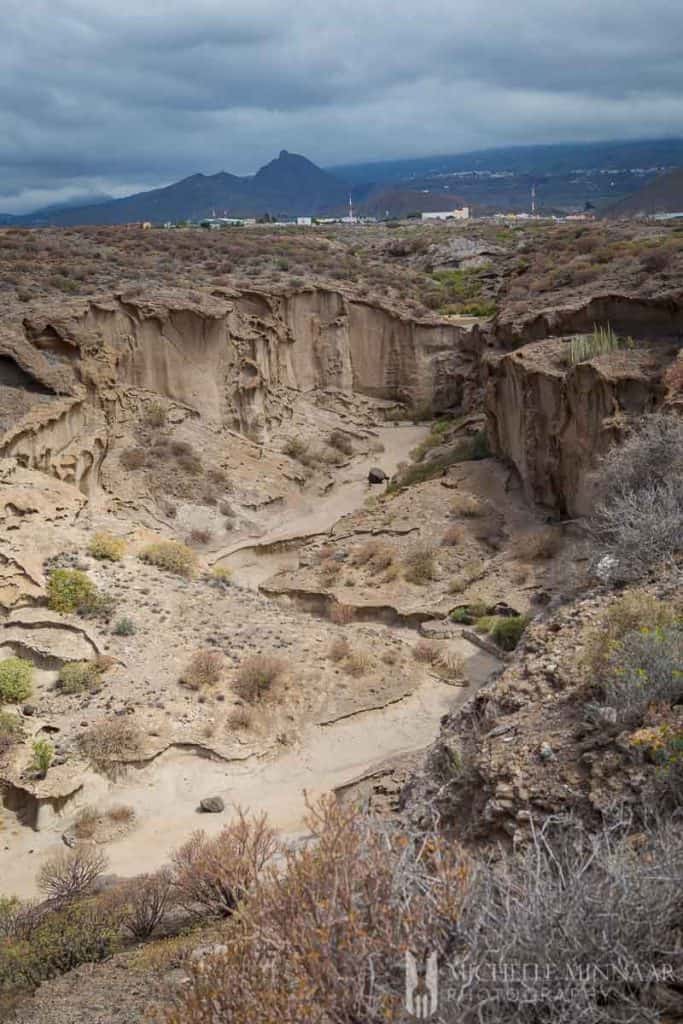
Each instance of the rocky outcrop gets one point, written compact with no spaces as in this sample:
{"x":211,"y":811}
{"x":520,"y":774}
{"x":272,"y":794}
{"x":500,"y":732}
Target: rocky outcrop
{"x":232,"y":359}
{"x":552,"y":421}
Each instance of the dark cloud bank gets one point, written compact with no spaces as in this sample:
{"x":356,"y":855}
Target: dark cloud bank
{"x":109,"y":97}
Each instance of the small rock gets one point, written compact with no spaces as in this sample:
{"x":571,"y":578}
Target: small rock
{"x":545,"y":752}
{"x":376,"y":475}
{"x":28,"y":710}
{"x":212,"y":805}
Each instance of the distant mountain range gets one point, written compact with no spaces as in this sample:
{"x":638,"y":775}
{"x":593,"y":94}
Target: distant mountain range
{"x":567,"y":177}
{"x":287,"y":186}
{"x":663,"y":195}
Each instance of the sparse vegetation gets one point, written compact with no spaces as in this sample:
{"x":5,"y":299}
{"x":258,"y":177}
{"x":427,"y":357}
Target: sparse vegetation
{"x":341,"y":442}
{"x":419,"y":564}
{"x":602,"y":341}
{"x":16,"y":680}
{"x":69,"y":590}
{"x":78,"y":676}
{"x":340,"y":648}
{"x":155,"y":414}
{"x":171,"y":556}
{"x":451,"y":537}
{"x":426,"y":651}
{"x":111,"y":742}
{"x":357,"y":662}
{"x":71,"y":874}
{"x":124,"y":627}
{"x":204,"y":669}
{"x":213,"y":875}
{"x":638,"y":521}
{"x":257,"y":675}
{"x":537,"y":545}
{"x":105,"y":546}
{"x":471,"y":572}
{"x":11,"y":731}
{"x":467,"y":506}
{"x":505,"y":630}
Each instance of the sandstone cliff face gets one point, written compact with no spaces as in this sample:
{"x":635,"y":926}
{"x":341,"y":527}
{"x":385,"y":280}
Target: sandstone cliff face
{"x":552,"y":421}
{"x":224,"y":358}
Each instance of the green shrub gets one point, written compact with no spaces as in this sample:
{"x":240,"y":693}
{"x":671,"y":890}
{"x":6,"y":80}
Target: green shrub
{"x":80,"y":932}
{"x":69,"y":589}
{"x":507,"y":631}
{"x":461,"y":616}
{"x":470,"y":449}
{"x":16,"y":680}
{"x":504,"y":630}
{"x":171,"y":556}
{"x":645,"y":667}
{"x":107,"y":547}
{"x":77,"y":676}
{"x":124,"y":627}
{"x":43,"y":752}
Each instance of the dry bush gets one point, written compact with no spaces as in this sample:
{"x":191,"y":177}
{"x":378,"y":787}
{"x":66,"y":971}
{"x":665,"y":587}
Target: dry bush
{"x":155,"y":414}
{"x":11,"y":731}
{"x":121,"y":814}
{"x":257,"y":675}
{"x":111,"y":742}
{"x":419,"y":565}
{"x":341,"y":441}
{"x":376,"y":553}
{"x":146,"y":900}
{"x":341,"y":614}
{"x":638,"y":521}
{"x":357,"y":662}
{"x":133,"y":458}
{"x":204,"y":669}
{"x":322,"y":939}
{"x":450,"y":664}
{"x":644,"y":669}
{"x":199,"y":537}
{"x":469,"y":574}
{"x":536,"y":545}
{"x":171,"y":556}
{"x":452,"y":537}
{"x":467,"y":506}
{"x":340,"y":648}
{"x":295,"y":448}
{"x":87,"y":820}
{"x":71,"y":874}
{"x":241,"y":717}
{"x":212,"y":875}
{"x":426,"y":651}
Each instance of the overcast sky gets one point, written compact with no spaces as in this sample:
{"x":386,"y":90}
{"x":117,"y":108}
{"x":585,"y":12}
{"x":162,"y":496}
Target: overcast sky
{"x":122,"y":95}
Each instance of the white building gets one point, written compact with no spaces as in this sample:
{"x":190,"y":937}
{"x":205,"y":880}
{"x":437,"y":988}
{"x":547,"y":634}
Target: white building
{"x":304,"y":222}
{"x":462,"y":213}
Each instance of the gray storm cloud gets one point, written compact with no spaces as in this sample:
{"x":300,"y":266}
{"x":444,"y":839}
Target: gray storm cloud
{"x":116,"y":97}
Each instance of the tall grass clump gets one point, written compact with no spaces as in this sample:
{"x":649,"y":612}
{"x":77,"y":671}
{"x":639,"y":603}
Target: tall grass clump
{"x":602,"y":341}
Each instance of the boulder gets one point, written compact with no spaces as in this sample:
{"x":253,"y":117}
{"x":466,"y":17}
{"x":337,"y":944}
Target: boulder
{"x":376,"y":475}
{"x":212,"y":805}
